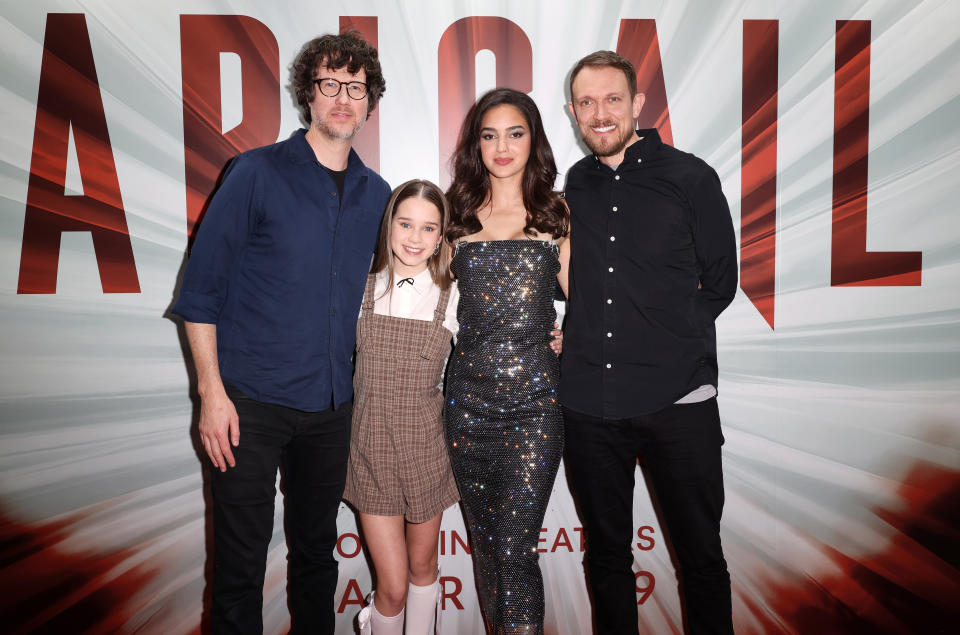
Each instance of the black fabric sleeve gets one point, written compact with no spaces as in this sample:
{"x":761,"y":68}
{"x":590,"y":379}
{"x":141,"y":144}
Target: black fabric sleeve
{"x":715,"y":245}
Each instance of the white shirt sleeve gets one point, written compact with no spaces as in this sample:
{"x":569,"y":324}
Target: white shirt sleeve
{"x":450,"y":319}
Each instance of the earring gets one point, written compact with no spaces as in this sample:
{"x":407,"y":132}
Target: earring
{"x":436,"y":249}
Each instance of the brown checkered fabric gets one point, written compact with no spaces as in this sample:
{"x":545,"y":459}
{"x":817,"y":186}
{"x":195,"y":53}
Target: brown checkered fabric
{"x":398,"y":456}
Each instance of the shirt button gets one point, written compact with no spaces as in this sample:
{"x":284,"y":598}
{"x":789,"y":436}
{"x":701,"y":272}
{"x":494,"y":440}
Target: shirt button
{"x":609,"y":300}
{"x":608,"y":366}
{"x":639,"y":160}
{"x":613,"y":238}
{"x":609,"y":334}
{"x":616,"y":178}
{"x":610,"y":269}
{"x":614,"y":208}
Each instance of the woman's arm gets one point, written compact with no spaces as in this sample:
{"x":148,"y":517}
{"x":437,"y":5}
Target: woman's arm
{"x":564,"y":276}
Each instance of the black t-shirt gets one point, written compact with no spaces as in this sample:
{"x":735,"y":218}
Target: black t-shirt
{"x":339,"y":177}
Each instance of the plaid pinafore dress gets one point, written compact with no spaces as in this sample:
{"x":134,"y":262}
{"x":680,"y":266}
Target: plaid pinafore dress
{"x":399,"y":464}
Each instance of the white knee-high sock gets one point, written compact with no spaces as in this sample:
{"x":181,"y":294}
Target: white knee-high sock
{"x":422,"y":608}
{"x":383,"y":625}
{"x":372,"y":622}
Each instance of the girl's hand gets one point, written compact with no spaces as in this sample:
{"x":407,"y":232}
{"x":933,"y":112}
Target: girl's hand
{"x":557,"y":342}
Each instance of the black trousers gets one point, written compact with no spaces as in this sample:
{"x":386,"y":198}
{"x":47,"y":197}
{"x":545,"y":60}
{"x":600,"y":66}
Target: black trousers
{"x":312,"y":448}
{"x":681,"y":449}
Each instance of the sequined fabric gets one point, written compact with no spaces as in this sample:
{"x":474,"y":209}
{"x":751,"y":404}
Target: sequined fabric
{"x":503,"y":423}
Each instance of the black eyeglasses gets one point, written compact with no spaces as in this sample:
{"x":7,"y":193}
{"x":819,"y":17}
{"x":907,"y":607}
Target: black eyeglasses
{"x":330,"y":87}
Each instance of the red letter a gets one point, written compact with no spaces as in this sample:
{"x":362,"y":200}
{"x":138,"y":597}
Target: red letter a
{"x":70,"y":95}
{"x":758,"y":165}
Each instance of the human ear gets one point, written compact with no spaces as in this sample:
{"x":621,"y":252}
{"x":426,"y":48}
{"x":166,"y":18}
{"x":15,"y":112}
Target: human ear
{"x":638,"y":100}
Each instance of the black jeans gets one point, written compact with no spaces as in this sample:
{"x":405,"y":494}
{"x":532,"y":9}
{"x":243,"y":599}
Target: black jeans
{"x":681,"y":449}
{"x":312,"y":447}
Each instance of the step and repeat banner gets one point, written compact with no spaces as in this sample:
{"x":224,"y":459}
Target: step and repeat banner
{"x":833,"y":125}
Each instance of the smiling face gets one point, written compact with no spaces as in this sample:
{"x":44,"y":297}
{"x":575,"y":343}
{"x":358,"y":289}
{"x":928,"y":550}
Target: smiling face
{"x":504,"y":141}
{"x":604,"y":111}
{"x":414,"y":234}
{"x":339,"y":117}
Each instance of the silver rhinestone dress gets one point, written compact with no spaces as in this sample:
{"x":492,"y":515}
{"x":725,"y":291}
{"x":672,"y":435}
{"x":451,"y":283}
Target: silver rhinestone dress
{"x":503,"y":423}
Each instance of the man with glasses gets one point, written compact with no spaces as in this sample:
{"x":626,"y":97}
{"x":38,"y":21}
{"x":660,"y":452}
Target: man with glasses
{"x":270,"y":299}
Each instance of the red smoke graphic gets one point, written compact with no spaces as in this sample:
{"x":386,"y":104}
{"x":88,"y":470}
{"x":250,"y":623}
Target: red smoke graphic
{"x":883,"y":593}
{"x":43,"y":590}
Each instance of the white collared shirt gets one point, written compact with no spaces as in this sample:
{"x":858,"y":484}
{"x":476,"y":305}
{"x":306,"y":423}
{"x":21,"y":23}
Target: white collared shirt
{"x":415,"y":301}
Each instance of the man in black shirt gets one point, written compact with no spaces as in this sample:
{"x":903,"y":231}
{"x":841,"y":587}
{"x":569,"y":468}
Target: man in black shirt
{"x":653,"y":263}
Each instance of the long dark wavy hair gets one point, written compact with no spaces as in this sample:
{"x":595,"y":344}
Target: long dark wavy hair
{"x":439,"y":263}
{"x":470,"y":189}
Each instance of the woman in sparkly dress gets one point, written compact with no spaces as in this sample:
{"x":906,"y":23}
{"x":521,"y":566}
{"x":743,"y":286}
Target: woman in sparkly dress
{"x":503,"y":423}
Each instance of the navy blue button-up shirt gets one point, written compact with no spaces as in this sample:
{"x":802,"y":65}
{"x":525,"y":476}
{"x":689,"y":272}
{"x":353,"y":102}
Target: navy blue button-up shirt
{"x":279,"y":265}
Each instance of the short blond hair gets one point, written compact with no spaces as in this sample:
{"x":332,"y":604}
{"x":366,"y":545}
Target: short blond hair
{"x":611,"y":59}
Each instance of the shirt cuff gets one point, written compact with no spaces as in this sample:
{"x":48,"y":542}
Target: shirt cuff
{"x":196,"y":307}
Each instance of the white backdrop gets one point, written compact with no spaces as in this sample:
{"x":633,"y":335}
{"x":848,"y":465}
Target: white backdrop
{"x":843,"y":450}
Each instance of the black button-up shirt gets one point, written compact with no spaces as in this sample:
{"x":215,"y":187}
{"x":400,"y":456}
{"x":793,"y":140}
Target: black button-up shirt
{"x":653,"y":263}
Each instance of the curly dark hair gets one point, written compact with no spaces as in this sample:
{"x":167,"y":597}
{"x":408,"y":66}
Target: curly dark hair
{"x":336,"y":51}
{"x":470,"y":189}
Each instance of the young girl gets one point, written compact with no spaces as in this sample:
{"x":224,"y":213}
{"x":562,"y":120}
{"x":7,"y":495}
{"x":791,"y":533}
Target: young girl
{"x":399,"y":476}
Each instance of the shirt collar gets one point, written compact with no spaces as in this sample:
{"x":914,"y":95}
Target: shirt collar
{"x":299,"y":151}
{"x":643,"y":149}
{"x":420,"y":281}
